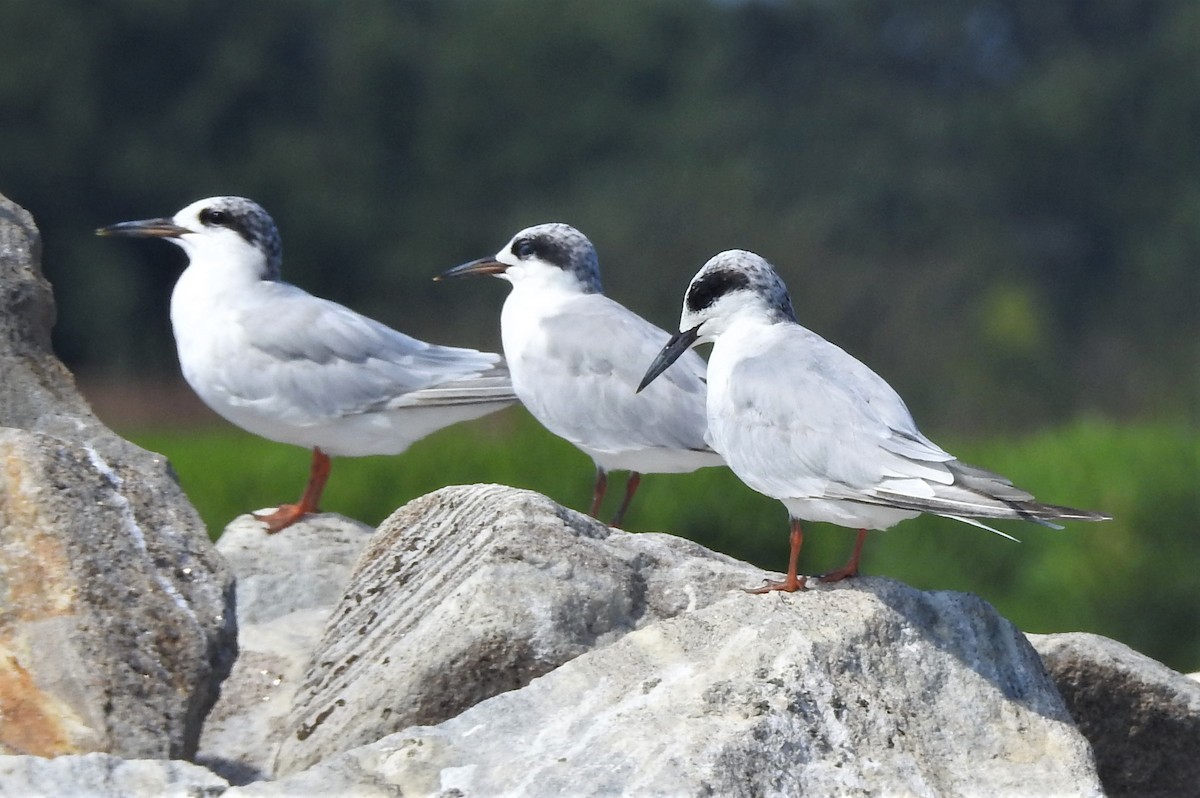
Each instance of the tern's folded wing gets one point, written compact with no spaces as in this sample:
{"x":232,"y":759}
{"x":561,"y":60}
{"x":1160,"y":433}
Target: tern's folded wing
{"x":810,"y":419}
{"x":583,"y":386}
{"x":820,"y":424}
{"x":313,"y":359}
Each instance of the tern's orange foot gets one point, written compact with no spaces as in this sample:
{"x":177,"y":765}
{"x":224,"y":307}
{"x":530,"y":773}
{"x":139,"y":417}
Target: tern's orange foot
{"x":838,"y":575}
{"x":789,"y":585}
{"x":283,"y":517}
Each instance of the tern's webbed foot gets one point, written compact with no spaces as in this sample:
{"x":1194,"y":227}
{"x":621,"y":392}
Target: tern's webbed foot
{"x":838,"y":575}
{"x":283,"y":517}
{"x":789,"y":585}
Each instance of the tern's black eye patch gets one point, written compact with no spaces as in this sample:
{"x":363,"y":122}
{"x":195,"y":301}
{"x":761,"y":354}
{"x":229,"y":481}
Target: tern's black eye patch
{"x":524,"y":248}
{"x":244,"y":224}
{"x":214,"y":218}
{"x":712,"y":286}
{"x":543,"y":248}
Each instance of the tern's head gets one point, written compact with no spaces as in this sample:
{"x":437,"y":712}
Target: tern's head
{"x":557,"y":254}
{"x":232,"y":231}
{"x":733,"y":284}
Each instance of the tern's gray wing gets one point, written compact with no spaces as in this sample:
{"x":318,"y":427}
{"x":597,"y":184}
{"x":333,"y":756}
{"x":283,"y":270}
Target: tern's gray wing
{"x":819,"y":423}
{"x":812,"y":420}
{"x":585,"y":389}
{"x":311,"y":358}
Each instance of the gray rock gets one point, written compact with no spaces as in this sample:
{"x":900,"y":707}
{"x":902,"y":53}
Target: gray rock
{"x":305,"y":567}
{"x":118,"y":619}
{"x":471,"y":591}
{"x":288,"y":585}
{"x":105,"y":776}
{"x":863,"y":689}
{"x":1141,"y":717}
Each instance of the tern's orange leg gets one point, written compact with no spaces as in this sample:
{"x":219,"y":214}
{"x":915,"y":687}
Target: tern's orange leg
{"x":791,"y":583}
{"x":631,"y":487}
{"x":287,"y":514}
{"x":851,"y":567}
{"x":598,"y":491}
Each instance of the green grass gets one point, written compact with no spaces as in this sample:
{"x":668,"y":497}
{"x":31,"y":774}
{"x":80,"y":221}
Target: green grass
{"x":1133,"y":579}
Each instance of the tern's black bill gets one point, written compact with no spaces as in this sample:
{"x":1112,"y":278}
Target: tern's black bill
{"x":679,"y":343}
{"x":481,"y":266}
{"x":146,"y":228}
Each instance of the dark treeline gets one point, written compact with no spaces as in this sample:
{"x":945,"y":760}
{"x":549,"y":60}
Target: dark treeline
{"x":995,"y":203}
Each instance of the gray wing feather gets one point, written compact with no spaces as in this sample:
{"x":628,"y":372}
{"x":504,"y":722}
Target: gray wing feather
{"x":598,"y":351}
{"x":827,"y":426}
{"x":333,"y":362}
{"x":816,"y":419}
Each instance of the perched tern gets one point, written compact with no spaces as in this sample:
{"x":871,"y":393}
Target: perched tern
{"x":800,"y":420}
{"x":294,"y":368}
{"x":576,"y":357}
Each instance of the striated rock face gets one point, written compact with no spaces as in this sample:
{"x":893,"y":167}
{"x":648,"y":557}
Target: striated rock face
{"x":472,"y":591}
{"x":1141,"y":717}
{"x":116,"y":613}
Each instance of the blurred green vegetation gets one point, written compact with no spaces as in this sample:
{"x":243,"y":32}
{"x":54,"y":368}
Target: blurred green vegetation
{"x":1132,"y":578}
{"x":999,"y":195}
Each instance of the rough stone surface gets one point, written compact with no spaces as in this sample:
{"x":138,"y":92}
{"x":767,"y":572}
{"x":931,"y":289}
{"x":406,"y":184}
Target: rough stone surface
{"x":105,"y":776}
{"x":305,"y":567}
{"x":116,"y":614}
{"x":287,"y":586}
{"x":472,"y":591}
{"x":863,"y":689}
{"x":1141,"y":717}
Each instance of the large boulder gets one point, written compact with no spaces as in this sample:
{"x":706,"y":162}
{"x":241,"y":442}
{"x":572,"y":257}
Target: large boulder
{"x":471,"y":591}
{"x":860,"y":689}
{"x":117,"y":623}
{"x":531,"y":650}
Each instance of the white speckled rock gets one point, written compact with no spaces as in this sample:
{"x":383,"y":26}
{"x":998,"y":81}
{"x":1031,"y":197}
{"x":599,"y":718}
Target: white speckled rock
{"x":105,"y":776}
{"x":287,"y":586}
{"x":863,"y":689}
{"x":472,"y":591}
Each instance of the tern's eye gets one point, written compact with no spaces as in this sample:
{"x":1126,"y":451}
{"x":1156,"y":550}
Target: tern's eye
{"x":214,"y":218}
{"x":524,"y":248}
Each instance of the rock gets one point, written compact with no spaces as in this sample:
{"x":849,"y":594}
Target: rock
{"x":287,"y":585}
{"x":117,"y":623}
{"x":1141,"y":717}
{"x":471,"y":591}
{"x":105,"y":776}
{"x":306,"y":567}
{"x":858,"y":689}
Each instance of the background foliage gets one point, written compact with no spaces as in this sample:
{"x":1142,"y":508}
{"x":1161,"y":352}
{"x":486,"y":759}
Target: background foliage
{"x":994,"y":203}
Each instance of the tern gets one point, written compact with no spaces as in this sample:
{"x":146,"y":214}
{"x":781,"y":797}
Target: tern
{"x":800,"y":420}
{"x":576,"y":355}
{"x":295,"y":368}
